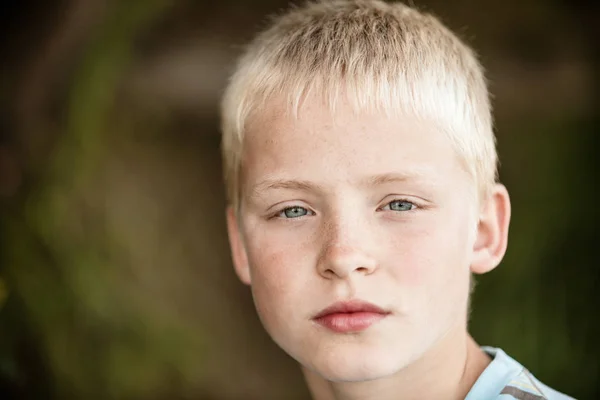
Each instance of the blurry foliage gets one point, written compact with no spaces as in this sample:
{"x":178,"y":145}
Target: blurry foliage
{"x":3,"y":292}
{"x":100,"y":336}
{"x":537,"y":304}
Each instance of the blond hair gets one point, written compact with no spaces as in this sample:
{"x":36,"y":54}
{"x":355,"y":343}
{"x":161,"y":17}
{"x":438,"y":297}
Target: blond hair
{"x":380,"y":56}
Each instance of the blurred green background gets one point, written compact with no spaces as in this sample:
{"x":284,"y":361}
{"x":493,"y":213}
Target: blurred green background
{"x":115,"y":277}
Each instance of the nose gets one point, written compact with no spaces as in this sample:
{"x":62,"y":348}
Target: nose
{"x":346,"y":251}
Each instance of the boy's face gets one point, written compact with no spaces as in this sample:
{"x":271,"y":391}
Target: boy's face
{"x":349,"y":208}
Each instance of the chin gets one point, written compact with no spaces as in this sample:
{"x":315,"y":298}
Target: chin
{"x":345,"y":365}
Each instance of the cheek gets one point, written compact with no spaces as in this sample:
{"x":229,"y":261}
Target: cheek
{"x":431,"y":269}
{"x":431,"y":254}
{"x":280,"y":269}
{"x":270,"y":271}
{"x":276,"y":251}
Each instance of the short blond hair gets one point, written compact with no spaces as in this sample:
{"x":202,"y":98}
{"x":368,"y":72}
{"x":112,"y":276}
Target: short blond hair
{"x":381,"y":56}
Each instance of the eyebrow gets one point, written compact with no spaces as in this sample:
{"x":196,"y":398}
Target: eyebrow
{"x":370,"y":181}
{"x":288,"y":184}
{"x":381,"y":179}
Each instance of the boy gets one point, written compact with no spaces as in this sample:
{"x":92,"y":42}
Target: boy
{"x":361,"y":170}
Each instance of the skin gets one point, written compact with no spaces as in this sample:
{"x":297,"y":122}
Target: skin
{"x":360,"y":206}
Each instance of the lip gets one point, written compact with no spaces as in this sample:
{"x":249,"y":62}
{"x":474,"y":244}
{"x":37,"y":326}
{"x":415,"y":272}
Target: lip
{"x":350,"y":316}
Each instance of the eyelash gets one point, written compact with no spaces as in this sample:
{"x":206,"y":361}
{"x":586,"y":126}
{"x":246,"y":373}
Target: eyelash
{"x":401,"y":200}
{"x":279,"y":213}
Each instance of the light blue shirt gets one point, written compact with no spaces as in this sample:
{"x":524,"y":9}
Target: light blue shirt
{"x":506,"y":379}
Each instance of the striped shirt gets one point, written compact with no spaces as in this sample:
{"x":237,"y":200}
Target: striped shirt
{"x":506,"y":379}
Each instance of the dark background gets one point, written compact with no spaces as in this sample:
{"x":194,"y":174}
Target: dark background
{"x":115,"y":277}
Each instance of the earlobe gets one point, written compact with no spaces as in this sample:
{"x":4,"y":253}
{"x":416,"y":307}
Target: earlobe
{"x":238,"y":250}
{"x":492,"y":231}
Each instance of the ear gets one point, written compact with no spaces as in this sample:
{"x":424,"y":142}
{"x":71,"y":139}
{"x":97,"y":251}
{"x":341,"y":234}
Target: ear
{"x":238,"y":251}
{"x":492,"y":231}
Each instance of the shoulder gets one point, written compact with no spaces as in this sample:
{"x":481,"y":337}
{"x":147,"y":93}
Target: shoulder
{"x":525,"y":386}
{"x":506,"y":379}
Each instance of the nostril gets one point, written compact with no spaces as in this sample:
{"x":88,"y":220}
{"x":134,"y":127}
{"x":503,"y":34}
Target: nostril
{"x":343,"y":261}
{"x":329,"y":274}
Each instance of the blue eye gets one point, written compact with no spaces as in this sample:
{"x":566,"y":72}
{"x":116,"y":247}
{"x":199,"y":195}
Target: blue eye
{"x":294,"y":212}
{"x":399,"y":205}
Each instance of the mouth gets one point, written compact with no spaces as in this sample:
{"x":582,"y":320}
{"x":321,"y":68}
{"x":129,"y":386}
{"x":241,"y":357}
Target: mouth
{"x":350,"y":316}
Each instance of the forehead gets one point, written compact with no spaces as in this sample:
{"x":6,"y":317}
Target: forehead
{"x":343,"y":145}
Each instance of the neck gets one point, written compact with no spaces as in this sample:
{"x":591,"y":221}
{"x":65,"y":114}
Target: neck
{"x":445,"y":372}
